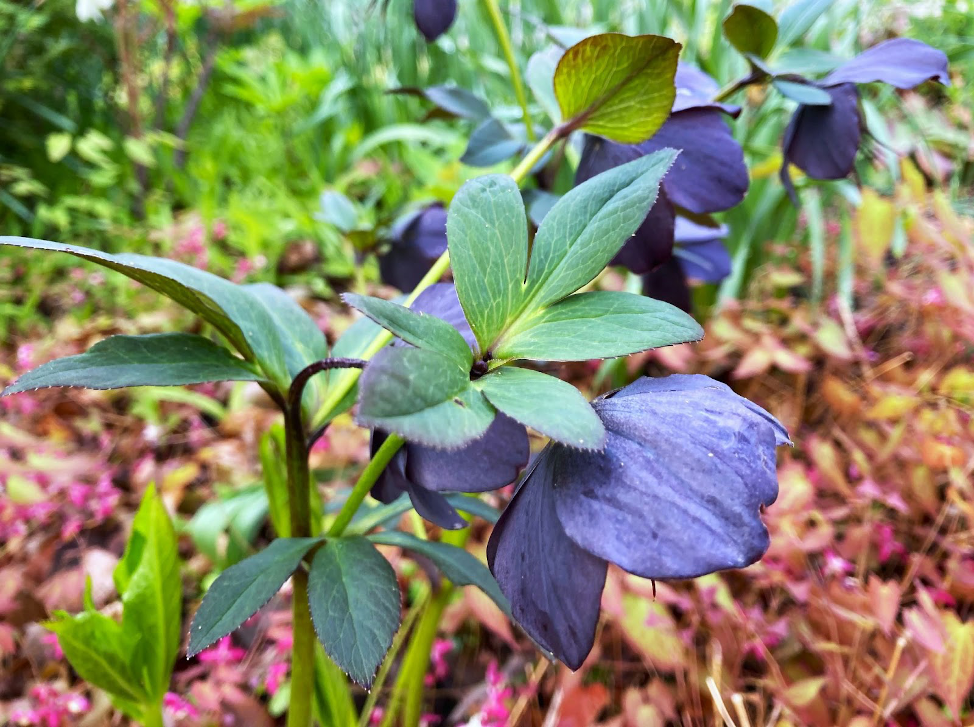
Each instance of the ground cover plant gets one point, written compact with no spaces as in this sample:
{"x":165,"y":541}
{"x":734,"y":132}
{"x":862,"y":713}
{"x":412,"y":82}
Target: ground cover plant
{"x":581,"y":282}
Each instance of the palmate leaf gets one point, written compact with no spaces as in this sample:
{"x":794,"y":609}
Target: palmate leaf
{"x":164,"y":359}
{"x":617,"y":86}
{"x":549,"y":405}
{"x":355,"y":605}
{"x":456,"y":563}
{"x":582,"y":232}
{"x":229,"y":308}
{"x":242,"y":589}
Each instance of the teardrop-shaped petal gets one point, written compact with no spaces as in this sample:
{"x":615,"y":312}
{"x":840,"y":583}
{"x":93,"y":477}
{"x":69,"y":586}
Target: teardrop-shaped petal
{"x":488,"y":463}
{"x":554,"y":586}
{"x":677,"y":493}
{"x":823,"y":140}
{"x":701,"y":252}
{"x":709,"y":175}
{"x":900,"y":62}
{"x":434,"y":17}
{"x":695,"y":89}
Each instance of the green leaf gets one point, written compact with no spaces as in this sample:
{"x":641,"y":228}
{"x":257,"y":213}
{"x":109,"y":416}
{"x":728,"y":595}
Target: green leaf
{"x":540,"y":76}
{"x":422,"y":396}
{"x":805,"y":61}
{"x":546,"y":404}
{"x":491,"y":143}
{"x":302,"y":341}
{"x":242,"y":589}
{"x":487,"y":231}
{"x":100,"y":651}
{"x":227,"y":307}
{"x":163,"y":359}
{"x":420,"y":329}
{"x":618,"y":86}
{"x":456,"y":563}
{"x":803,"y":93}
{"x":148,"y":579}
{"x":589,"y":225}
{"x":798,"y":17}
{"x":224,"y":530}
{"x":751,"y":30}
{"x":58,"y":145}
{"x":602,"y":324}
{"x":451,"y":101}
{"x":338,"y":210}
{"x":355,"y":605}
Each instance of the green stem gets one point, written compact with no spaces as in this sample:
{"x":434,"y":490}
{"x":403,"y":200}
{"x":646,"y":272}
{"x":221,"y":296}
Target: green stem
{"x":152,"y":716}
{"x":731,"y":88}
{"x":365,"y":481}
{"x":299,"y":498}
{"x":418,"y":657}
{"x":504,"y":39}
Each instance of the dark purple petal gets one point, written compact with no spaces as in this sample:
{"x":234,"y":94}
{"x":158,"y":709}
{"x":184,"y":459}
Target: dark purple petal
{"x":416,"y":242}
{"x":652,"y":244}
{"x":901,"y":62}
{"x":701,"y":252}
{"x":434,"y":507}
{"x":555,"y":587}
{"x":668,"y":284}
{"x":393,"y":482}
{"x":434,"y":17}
{"x":823,"y":140}
{"x":677,"y":493}
{"x":488,"y":463}
{"x":440,"y":300}
{"x":695,"y":89}
{"x":709,"y":175}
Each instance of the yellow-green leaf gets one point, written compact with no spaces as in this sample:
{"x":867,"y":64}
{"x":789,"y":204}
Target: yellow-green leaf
{"x":618,"y":86}
{"x":751,"y":31}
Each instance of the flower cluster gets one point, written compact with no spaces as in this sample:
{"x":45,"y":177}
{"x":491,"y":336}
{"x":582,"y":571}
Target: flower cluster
{"x":50,"y":708}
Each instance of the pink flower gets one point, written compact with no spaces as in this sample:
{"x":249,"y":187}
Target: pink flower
{"x":376,"y":717}
{"x":836,"y":565}
{"x":25,"y":356}
{"x":51,"y":640}
{"x":223,"y":653}
{"x":887,"y":543}
{"x":441,"y":669}
{"x":275,"y":676}
{"x":179,"y":707}
{"x":219,"y":230}
{"x":494,"y":711}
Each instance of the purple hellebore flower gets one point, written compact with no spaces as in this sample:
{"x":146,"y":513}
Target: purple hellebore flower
{"x":677,"y":493}
{"x":417,"y":240}
{"x":434,"y":17}
{"x":488,"y":463}
{"x":699,"y":255}
{"x":823,"y":140}
{"x":709,"y":174}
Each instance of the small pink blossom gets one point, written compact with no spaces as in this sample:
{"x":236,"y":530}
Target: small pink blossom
{"x":51,"y":640}
{"x":376,"y":717}
{"x":223,"y":653}
{"x":887,"y":543}
{"x":275,"y":676}
{"x":25,"y":356}
{"x":179,"y":707}
{"x":219,"y":230}
{"x":836,"y":565}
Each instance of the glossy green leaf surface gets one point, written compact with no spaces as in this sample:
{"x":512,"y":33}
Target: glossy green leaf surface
{"x":456,"y":563}
{"x":600,"y":324}
{"x":227,"y":307}
{"x":548,"y":405}
{"x":162,"y":359}
{"x":242,"y":589}
{"x":487,"y":230}
{"x":422,"y":396}
{"x":419,"y":329}
{"x":355,"y":605}
{"x":751,"y":30}
{"x":617,"y":86}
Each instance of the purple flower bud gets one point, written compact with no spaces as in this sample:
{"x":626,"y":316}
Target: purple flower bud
{"x":434,"y":17}
{"x":417,"y":240}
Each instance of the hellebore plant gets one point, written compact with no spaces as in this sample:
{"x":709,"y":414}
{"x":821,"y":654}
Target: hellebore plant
{"x":665,"y":477}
